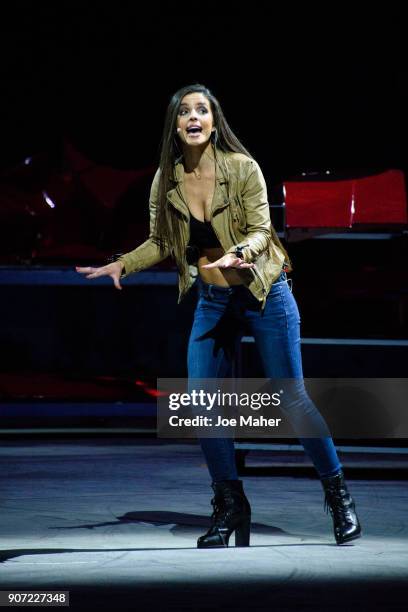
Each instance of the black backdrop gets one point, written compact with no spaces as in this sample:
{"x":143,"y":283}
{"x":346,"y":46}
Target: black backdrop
{"x":303,"y":88}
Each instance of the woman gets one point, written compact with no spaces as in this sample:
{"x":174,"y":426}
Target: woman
{"x":209,"y":211}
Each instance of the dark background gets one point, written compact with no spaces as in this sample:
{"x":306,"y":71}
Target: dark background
{"x":303,"y":88}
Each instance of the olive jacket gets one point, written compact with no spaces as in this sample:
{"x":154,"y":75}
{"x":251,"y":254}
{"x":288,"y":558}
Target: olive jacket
{"x":239,"y":216}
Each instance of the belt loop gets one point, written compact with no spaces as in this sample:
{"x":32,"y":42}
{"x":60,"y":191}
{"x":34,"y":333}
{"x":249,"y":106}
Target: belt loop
{"x":210,"y":293}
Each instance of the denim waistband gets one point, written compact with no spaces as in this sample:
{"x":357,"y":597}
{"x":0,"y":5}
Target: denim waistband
{"x":213,"y":290}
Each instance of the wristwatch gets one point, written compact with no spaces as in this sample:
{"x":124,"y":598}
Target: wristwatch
{"x":238,"y":251}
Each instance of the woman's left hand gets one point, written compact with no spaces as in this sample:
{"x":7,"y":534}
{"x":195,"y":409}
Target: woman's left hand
{"x":229,"y":261}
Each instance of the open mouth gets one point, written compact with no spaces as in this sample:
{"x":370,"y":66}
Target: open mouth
{"x":194,"y":130}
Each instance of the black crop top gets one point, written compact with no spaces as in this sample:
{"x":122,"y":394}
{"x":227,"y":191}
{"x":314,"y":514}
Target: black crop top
{"x":202,"y":234}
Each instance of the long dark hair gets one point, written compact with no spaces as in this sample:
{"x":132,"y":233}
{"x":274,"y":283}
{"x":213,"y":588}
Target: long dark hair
{"x":167,"y":226}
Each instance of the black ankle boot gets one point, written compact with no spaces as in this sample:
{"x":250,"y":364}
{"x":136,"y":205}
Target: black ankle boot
{"x":232,"y":512}
{"x":341,"y":505}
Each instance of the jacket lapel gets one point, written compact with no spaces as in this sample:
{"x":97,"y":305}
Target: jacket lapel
{"x":175,"y":198}
{"x":220,"y":199}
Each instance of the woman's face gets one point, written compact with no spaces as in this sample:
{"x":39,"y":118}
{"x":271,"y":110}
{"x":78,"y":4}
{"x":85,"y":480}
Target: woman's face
{"x":195,"y":120}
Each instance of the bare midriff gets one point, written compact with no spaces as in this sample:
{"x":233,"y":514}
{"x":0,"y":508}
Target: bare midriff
{"x":224,"y":277}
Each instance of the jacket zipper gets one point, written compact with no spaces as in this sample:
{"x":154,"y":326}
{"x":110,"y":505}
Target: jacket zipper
{"x":255,"y":271}
{"x":186,"y":272}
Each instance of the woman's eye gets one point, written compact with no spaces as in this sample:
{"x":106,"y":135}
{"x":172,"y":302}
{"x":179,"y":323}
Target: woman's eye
{"x":202,"y":110}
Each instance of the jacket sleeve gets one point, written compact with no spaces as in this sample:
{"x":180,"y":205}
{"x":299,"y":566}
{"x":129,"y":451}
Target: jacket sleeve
{"x":258,"y":221}
{"x":148,"y":253}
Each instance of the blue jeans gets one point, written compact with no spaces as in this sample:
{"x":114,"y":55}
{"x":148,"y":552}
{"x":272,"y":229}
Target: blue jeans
{"x":222,"y":316}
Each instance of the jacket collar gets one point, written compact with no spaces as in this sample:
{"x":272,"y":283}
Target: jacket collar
{"x":176,"y":194}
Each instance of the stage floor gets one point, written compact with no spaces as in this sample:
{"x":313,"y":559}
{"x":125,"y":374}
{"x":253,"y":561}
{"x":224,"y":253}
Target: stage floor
{"x":115,"y":522}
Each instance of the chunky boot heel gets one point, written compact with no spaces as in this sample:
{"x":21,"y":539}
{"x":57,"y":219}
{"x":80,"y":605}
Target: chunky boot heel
{"x":242,"y":533}
{"x":232,"y":512}
{"x":342,"y":508}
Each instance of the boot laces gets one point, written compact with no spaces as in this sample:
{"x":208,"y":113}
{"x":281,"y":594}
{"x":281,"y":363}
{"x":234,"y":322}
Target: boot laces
{"x":339,"y":502}
{"x":220,"y":512}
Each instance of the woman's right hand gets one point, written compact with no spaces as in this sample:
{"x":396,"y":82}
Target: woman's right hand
{"x":114,"y":270}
